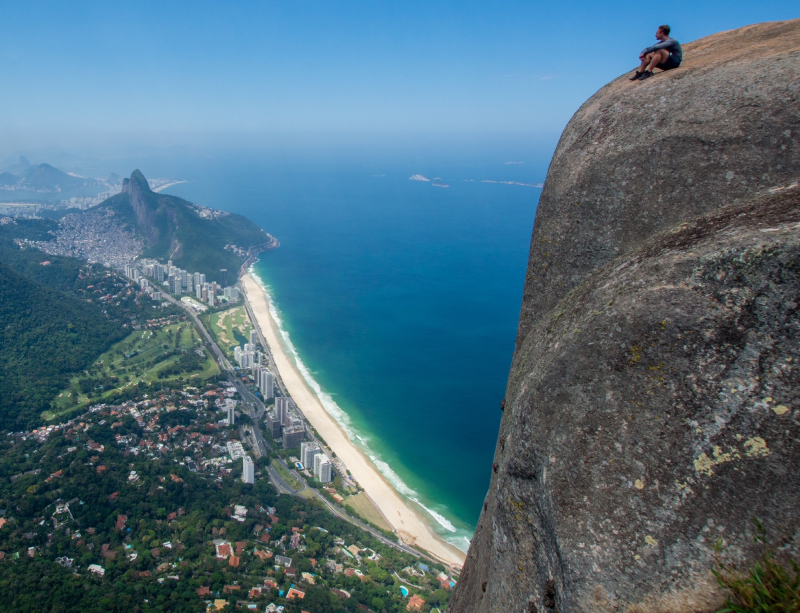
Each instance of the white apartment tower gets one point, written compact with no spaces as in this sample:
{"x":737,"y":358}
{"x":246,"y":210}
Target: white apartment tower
{"x":308,"y":451}
{"x":282,"y":406}
{"x":248,"y":470}
{"x":322,"y":468}
{"x":266,"y":383}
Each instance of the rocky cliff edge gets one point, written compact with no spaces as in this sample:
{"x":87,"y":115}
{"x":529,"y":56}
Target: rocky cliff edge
{"x":653,"y":405}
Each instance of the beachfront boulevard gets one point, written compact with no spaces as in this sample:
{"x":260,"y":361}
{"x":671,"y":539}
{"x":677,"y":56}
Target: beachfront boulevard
{"x":261,"y":447}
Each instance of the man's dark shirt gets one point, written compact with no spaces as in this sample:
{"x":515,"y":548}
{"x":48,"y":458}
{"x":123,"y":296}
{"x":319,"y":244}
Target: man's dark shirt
{"x":671,"y":45}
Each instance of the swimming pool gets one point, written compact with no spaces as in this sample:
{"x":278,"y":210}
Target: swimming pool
{"x":404,"y":591}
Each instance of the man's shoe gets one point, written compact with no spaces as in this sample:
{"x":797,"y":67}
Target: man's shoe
{"x":636,"y":76}
{"x":646,"y":75}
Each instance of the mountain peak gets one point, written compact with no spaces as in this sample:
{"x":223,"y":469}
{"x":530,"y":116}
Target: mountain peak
{"x":137,"y":180}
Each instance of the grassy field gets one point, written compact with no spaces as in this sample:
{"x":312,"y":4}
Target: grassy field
{"x":286,"y":475}
{"x":363,"y":507}
{"x":231,"y":328}
{"x":148,"y":356}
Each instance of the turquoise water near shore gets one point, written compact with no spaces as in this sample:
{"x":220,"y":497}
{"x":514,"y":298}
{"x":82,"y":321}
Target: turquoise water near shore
{"x":401,"y":300}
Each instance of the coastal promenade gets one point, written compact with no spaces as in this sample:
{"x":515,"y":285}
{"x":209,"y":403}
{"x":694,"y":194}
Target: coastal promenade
{"x":409,"y":525}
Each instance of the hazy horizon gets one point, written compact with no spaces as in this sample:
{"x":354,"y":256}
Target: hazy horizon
{"x":91,"y":79}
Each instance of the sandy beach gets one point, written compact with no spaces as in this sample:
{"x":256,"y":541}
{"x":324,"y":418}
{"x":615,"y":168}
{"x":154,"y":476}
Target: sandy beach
{"x":410,"y":526}
{"x":166,"y":185}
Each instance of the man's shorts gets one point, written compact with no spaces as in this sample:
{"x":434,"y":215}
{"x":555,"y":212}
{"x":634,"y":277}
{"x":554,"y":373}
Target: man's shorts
{"x":669,"y":64}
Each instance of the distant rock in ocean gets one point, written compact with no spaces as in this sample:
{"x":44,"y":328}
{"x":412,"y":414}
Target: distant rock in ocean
{"x":653,"y":404}
{"x":418,"y":178}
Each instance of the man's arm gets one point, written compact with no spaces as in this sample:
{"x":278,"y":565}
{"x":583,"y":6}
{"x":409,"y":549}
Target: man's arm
{"x":667,"y":44}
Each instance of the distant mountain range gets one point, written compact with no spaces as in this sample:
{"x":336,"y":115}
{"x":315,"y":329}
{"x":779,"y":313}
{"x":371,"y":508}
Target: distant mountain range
{"x":42,"y":177}
{"x":195,"y":238}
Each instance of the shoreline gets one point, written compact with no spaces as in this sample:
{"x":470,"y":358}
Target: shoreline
{"x":166,"y":185}
{"x":410,"y":526}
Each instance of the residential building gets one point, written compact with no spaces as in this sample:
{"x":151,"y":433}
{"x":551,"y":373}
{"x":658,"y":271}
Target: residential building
{"x":274,"y":425}
{"x":248,"y":470}
{"x":282,"y":406}
{"x":247,"y":359}
{"x":235,"y":450}
{"x":308,"y":451}
{"x":231,"y":293}
{"x":266,"y":383}
{"x":293,"y":436}
{"x":323,"y":469}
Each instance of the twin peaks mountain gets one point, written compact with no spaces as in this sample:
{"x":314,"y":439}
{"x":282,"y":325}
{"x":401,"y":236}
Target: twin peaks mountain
{"x":193,"y":237}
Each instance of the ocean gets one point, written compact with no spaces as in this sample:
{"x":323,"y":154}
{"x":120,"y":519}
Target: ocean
{"x":400,"y":299}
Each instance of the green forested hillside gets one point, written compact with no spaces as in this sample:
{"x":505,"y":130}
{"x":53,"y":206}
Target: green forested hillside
{"x":174,"y":230}
{"x":47,"y":334}
{"x":57,"y":314}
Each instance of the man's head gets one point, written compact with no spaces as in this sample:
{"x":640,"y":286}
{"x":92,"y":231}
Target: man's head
{"x":663,"y":32}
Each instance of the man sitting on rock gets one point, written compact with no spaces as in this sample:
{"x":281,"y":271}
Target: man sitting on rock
{"x":666,"y":55}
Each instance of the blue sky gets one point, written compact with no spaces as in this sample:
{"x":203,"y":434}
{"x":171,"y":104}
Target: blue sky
{"x":177,"y":71}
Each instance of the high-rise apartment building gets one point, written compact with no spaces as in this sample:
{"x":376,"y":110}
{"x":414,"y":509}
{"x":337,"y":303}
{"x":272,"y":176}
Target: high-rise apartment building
{"x":231,"y":293}
{"x":266,"y":383}
{"x":293,"y":436}
{"x":308,"y":451}
{"x":248,"y":359}
{"x":248,"y":470}
{"x":323,"y":469}
{"x":274,"y":425}
{"x":282,"y":406}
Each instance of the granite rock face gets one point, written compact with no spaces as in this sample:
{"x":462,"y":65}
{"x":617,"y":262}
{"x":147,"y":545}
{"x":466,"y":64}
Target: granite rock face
{"x":139,"y":193}
{"x":653,"y":405}
{"x":639,"y":157}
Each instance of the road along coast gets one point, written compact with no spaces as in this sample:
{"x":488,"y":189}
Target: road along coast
{"x":409,"y":524}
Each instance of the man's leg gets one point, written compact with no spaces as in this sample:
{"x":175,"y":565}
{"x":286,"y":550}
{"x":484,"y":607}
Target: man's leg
{"x":656,"y":58}
{"x":641,"y":69}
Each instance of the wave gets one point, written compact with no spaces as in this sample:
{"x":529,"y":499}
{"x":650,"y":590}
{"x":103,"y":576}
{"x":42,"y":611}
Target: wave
{"x":343,"y":419}
{"x":441,"y":519}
